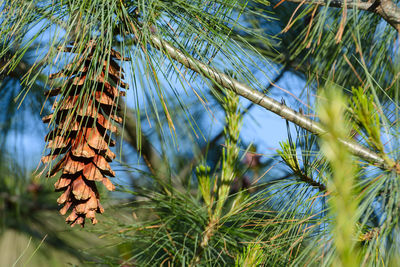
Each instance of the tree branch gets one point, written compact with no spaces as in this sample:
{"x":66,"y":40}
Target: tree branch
{"x":387,"y":9}
{"x":186,"y":170}
{"x":148,"y":152}
{"x":257,"y":97}
{"x":157,"y":166}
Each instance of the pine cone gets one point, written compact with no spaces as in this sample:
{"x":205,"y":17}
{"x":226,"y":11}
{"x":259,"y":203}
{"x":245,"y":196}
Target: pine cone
{"x":83,"y":125}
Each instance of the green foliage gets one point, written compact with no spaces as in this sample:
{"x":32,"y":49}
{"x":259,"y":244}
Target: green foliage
{"x":368,"y":117}
{"x":309,"y":204}
{"x":31,"y":230}
{"x":200,"y":30}
{"x":252,"y":256}
{"x":203,"y":177}
{"x":341,"y":185}
{"x":174,"y":234}
{"x":230,"y":152}
{"x":314,"y":167}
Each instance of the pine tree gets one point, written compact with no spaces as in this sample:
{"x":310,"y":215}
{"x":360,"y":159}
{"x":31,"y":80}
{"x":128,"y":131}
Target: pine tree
{"x":328,"y":196}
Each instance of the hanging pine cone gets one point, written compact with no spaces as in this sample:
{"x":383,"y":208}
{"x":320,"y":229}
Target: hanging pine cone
{"x":81,"y":136}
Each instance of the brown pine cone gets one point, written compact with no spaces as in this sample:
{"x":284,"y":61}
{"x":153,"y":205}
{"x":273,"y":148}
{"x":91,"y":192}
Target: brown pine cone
{"x":81,"y":137}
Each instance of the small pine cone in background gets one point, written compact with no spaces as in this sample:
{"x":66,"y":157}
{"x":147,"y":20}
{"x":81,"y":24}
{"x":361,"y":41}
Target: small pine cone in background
{"x":81,"y":137}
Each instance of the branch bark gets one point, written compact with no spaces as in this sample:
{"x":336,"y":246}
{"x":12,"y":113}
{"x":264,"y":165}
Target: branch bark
{"x":256,"y":97}
{"x":387,"y":9}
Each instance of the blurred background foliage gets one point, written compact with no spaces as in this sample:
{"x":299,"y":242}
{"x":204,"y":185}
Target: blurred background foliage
{"x":192,"y":187}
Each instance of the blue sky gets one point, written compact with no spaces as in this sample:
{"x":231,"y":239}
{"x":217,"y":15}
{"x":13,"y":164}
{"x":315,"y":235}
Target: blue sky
{"x":260,"y":126}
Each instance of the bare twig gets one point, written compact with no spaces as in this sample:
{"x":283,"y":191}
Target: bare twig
{"x":387,"y":9}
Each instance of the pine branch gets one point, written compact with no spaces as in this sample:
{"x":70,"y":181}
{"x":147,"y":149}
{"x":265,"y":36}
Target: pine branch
{"x":308,"y":180}
{"x":387,"y":9}
{"x":195,"y":160}
{"x":255,"y":96}
{"x":144,"y":146}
